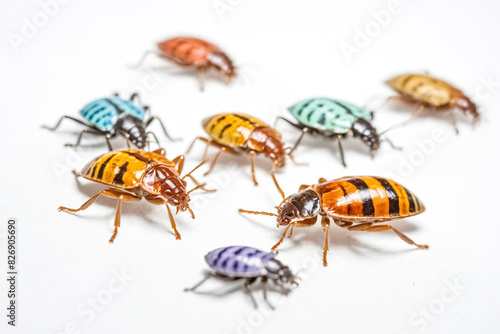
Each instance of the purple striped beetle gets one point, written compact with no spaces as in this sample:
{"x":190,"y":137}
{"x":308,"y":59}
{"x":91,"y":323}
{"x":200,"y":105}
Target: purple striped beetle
{"x":241,"y":262}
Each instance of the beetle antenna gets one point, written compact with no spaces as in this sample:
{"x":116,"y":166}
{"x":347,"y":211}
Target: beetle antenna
{"x":258,"y":213}
{"x":195,"y":188}
{"x":189,"y":174}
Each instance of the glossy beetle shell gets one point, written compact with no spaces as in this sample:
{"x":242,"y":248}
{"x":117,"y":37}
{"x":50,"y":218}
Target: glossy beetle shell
{"x":238,"y":261}
{"x":328,"y":115}
{"x":367,"y":199}
{"x":104,"y":113}
{"x":123,"y":169}
{"x":231,"y":129}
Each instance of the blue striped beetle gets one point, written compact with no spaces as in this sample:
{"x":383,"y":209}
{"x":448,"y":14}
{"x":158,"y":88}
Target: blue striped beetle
{"x":241,"y":262}
{"x":114,"y":115}
{"x":332,"y":118}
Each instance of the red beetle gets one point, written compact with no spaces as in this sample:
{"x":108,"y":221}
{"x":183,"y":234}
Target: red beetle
{"x":193,"y":52}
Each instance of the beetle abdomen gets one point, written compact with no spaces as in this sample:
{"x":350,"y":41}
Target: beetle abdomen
{"x":231,"y":129}
{"x":122,"y":169}
{"x":328,"y":115}
{"x":104,"y":113}
{"x":188,"y":50}
{"x":367,"y":198}
{"x":424,"y":88}
{"x":238,"y":261}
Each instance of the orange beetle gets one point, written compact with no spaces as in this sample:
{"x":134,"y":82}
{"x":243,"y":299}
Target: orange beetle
{"x":194,"y":52}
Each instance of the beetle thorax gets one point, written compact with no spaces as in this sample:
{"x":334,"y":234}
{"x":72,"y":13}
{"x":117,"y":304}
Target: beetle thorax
{"x":132,"y":128}
{"x":164,"y":181}
{"x":221,"y":62}
{"x":268,"y":141}
{"x":367,"y":133}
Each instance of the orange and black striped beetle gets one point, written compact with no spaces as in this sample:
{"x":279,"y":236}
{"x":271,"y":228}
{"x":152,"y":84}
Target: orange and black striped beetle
{"x":135,"y":174}
{"x":357,"y":203}
{"x":191,"y":52}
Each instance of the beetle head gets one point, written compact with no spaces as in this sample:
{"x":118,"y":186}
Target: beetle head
{"x":466,"y":105}
{"x":277,"y":270}
{"x":302,"y":205}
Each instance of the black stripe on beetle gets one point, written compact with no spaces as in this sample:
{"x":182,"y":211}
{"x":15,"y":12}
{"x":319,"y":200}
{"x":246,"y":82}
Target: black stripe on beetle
{"x":118,"y":109}
{"x":305,"y":106}
{"x":227,"y":126}
{"x":364,"y":193}
{"x":137,"y":156}
{"x":103,"y":166}
{"x":392,"y":195}
{"x":348,"y":203}
{"x":345,"y":107}
{"x":119,"y":177}
{"x":410,"y":200}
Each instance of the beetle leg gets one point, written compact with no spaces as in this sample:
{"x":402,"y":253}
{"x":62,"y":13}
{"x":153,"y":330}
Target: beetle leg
{"x":201,"y":77}
{"x":179,"y":160}
{"x":152,"y":118}
{"x":400,"y":99}
{"x":264,"y":292}
{"x":172,"y":222}
{"x":302,"y":223}
{"x":417,"y":112}
{"x":325,"y":222}
{"x":109,"y":193}
{"x":339,"y":138}
{"x":207,"y":276}
{"x":154,"y":137}
{"x":370,"y":227}
{"x":304,"y":186}
{"x":205,"y":140}
{"x":71,"y":118}
{"x":248,"y":282}
{"x":80,"y":136}
{"x":252,"y":155}
{"x":454,"y":121}
{"x":297,"y":126}
{"x":222,"y":149}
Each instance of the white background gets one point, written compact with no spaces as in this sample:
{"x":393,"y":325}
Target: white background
{"x":286,"y":51}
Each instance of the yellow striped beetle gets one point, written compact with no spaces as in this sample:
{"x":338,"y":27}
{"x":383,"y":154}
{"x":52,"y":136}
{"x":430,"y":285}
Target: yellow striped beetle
{"x":235,"y":132}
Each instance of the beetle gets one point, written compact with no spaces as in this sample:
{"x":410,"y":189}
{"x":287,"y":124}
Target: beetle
{"x":236,"y":132}
{"x":430,"y":92}
{"x":248,"y":263}
{"x":135,"y":174}
{"x":189,"y":52}
{"x":357,"y":203}
{"x":114,"y":115}
{"x":333,"y":118}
